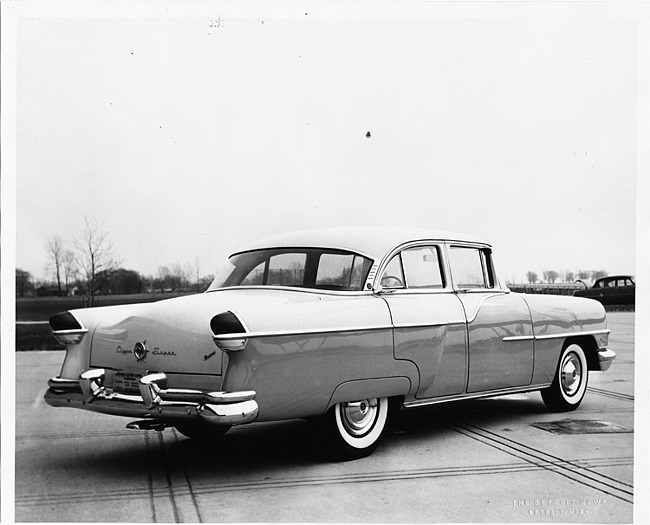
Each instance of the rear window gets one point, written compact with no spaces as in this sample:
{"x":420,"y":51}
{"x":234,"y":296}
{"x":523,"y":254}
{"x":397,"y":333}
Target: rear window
{"x":322,"y":269}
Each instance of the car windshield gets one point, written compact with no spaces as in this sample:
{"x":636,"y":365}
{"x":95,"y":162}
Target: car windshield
{"x":323,"y":269}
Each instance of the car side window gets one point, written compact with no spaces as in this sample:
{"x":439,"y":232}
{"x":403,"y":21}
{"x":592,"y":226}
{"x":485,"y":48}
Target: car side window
{"x":469,"y":267}
{"x":393,"y":274}
{"x":287,"y":269}
{"x":255,"y":276}
{"x":343,"y":271}
{"x":422,"y":267}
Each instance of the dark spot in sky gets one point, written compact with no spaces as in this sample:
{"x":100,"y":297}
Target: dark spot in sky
{"x":368,"y":135}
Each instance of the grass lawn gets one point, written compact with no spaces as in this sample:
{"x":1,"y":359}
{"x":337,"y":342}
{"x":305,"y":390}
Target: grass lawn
{"x":42,"y":308}
{"x":32,"y":314}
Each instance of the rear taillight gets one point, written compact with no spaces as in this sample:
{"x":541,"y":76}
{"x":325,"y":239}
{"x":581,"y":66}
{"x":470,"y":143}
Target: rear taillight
{"x":227,"y":331}
{"x":66,"y":329}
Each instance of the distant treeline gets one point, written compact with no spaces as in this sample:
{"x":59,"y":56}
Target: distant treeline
{"x":119,"y":281}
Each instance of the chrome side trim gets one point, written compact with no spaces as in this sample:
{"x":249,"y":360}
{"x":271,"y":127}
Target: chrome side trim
{"x":281,"y":333}
{"x":489,"y":293}
{"x":519,"y":338}
{"x":573,"y":334}
{"x":423,"y":325}
{"x":489,"y":393}
{"x":555,"y":336}
{"x":240,"y":319}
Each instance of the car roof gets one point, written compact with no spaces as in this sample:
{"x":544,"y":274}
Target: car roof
{"x":619,"y":276}
{"x":371,"y":241}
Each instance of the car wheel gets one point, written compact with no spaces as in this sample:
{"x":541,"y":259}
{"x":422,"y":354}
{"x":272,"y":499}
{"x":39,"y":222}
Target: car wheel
{"x":570,"y":382}
{"x":202,"y":431}
{"x":352,"y":429}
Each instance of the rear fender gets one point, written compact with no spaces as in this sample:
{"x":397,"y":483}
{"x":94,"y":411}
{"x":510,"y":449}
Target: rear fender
{"x":77,"y":349}
{"x":371,"y":388}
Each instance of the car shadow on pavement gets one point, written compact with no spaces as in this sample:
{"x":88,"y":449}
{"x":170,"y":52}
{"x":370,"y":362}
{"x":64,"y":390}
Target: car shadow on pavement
{"x":489,"y":410}
{"x":263,"y":447}
{"x":294,"y":443}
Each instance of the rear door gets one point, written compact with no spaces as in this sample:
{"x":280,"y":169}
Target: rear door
{"x":498,"y":323}
{"x":429,"y":323}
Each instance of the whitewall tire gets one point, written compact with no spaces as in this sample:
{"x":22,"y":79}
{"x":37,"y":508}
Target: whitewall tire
{"x":352,"y":430}
{"x":570,"y":381}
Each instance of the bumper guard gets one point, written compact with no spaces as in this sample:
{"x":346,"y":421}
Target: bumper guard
{"x":605,"y":358}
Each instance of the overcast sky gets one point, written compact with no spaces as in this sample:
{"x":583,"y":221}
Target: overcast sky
{"x":190,"y":134}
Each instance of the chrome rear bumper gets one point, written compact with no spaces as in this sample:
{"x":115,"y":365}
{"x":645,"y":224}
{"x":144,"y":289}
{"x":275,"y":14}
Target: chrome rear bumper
{"x":155,"y":400}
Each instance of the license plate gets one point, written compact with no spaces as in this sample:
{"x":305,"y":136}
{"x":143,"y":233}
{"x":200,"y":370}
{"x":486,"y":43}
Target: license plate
{"x":126,"y":382}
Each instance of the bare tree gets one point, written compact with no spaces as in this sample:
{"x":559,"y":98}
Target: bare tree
{"x":69,"y":269}
{"x":23,"y":282}
{"x":198,"y":275}
{"x":55,"y":255}
{"x":532,"y":277}
{"x":597,"y":274}
{"x":550,"y":276}
{"x":93,"y":254}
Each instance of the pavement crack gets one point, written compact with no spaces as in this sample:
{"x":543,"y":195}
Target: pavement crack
{"x":170,"y":485}
{"x":150,"y":477}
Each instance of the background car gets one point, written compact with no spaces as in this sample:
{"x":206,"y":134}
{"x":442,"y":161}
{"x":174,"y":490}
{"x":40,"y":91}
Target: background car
{"x":613,"y":289}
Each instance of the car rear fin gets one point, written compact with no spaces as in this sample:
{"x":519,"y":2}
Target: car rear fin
{"x":64,"y":321}
{"x":226,"y":323}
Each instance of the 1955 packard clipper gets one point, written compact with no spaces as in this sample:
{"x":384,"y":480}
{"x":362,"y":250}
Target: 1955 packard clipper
{"x":338,"y":326}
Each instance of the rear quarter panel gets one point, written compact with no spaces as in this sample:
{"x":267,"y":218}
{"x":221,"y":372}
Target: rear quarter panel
{"x":555,"y":318}
{"x":297,"y":375}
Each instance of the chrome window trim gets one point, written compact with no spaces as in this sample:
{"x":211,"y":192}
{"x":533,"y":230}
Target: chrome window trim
{"x":415,"y":291}
{"x":324,"y":247}
{"x":301,"y":289}
{"x":372,"y":259}
{"x":496,"y":285}
{"x":444,"y":268}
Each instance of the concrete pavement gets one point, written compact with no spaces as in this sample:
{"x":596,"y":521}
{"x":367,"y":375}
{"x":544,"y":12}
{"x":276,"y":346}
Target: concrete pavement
{"x":495,"y":460}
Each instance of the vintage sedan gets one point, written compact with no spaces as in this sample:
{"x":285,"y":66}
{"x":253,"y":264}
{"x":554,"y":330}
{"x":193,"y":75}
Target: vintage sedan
{"x":337,"y":326}
{"x":613,"y":289}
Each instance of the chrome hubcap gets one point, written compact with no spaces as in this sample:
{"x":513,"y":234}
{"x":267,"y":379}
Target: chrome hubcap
{"x":358,"y":417}
{"x":571,"y":374}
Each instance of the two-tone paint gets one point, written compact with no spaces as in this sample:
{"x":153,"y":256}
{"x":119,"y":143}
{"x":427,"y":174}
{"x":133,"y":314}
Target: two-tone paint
{"x":301,"y":351}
